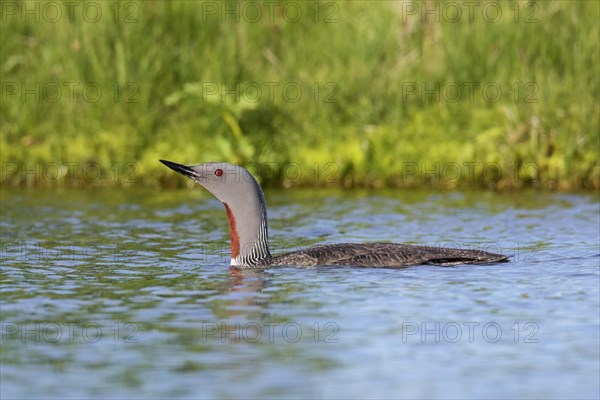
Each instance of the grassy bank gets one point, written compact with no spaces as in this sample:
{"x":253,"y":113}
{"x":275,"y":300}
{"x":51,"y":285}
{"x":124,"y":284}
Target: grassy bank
{"x":306,"y":93}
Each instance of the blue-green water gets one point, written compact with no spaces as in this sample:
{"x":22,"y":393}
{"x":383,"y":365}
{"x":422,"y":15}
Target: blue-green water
{"x":128,"y":294}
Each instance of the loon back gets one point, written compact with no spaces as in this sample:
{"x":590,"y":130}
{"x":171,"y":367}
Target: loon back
{"x":383,"y":255}
{"x":246,"y":209}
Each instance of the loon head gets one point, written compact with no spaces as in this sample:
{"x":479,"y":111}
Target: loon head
{"x":244,"y":202}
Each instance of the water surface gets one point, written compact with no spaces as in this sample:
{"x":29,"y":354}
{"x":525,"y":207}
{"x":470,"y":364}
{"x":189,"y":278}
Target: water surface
{"x":128,"y":293}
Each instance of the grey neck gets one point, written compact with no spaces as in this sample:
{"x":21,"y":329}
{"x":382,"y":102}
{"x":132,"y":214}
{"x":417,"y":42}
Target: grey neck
{"x":248,"y":228}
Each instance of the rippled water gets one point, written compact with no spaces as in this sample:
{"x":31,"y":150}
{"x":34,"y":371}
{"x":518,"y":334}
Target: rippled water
{"x":129,"y":294}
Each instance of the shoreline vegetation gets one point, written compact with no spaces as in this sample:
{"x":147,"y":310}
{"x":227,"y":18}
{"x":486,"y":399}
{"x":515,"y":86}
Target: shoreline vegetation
{"x":340,"y":94}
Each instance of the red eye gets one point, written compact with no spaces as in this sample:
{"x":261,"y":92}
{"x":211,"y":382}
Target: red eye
{"x":218,"y":172}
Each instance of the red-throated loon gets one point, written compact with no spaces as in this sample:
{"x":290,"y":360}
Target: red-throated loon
{"x":247,"y":214}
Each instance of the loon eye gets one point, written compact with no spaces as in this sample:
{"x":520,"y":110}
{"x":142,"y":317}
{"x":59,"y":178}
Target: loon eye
{"x":218,"y":172}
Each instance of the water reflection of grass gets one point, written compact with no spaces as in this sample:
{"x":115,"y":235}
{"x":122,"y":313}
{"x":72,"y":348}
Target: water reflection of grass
{"x":373,"y":96}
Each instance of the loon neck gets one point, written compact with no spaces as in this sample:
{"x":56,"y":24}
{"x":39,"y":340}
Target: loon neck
{"x":248,"y":229}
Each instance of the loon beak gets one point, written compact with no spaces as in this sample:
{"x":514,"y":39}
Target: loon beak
{"x":182,"y":169}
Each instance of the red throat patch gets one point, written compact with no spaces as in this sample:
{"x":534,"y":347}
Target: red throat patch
{"x":235,"y":239}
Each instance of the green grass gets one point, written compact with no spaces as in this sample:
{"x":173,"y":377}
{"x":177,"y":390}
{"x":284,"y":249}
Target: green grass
{"x":353,"y":125}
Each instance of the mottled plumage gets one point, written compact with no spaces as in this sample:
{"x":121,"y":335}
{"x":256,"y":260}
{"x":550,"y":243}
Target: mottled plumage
{"x":247,"y":215}
{"x":383,"y":255}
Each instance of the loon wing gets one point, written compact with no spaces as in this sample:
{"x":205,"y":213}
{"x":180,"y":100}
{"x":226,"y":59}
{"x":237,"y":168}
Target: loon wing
{"x":384,"y":255}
